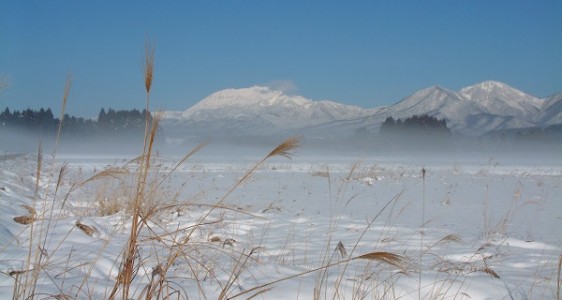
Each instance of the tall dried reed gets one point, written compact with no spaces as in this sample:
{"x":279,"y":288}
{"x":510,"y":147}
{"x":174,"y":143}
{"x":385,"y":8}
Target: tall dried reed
{"x":423,"y":171}
{"x":128,"y":268}
{"x":25,"y":286}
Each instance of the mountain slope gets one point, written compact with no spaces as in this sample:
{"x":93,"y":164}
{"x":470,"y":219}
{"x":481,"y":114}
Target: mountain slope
{"x":269,"y":110}
{"x":261,"y":111}
{"x":552,"y":110}
{"x":473,"y":110}
{"x":501,"y":99}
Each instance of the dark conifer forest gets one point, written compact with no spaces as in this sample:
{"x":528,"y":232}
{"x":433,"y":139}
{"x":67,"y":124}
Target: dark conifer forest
{"x":44,"y":122}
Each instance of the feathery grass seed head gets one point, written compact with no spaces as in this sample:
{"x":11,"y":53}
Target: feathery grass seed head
{"x":148,"y":65}
{"x":285,"y":148}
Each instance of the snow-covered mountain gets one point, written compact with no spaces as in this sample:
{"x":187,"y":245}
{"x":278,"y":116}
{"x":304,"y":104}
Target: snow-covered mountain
{"x":262,"y":111}
{"x":473,"y":110}
{"x":552,"y":110}
{"x":501,"y":99}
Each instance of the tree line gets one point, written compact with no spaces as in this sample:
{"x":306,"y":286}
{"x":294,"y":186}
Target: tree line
{"x":419,"y":125}
{"x":43,"y":122}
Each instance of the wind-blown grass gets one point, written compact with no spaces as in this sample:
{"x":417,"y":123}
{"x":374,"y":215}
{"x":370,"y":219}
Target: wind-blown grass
{"x":146,"y":267}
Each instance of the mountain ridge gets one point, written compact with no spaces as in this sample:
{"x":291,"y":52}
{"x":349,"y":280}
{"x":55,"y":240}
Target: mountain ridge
{"x":258,"y":110}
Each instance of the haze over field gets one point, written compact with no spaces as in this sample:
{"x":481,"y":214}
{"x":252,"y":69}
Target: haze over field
{"x":281,"y":150}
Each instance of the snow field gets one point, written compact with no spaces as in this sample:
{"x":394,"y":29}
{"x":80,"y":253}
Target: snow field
{"x":491,"y":230}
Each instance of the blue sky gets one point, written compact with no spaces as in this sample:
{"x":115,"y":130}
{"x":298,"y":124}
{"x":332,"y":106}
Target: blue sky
{"x":364,"y":53}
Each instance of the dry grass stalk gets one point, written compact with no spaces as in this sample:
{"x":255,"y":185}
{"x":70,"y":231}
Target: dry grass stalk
{"x":39,"y":165}
{"x":63,"y":109}
{"x":128,"y":268}
{"x":423,"y":171}
{"x":235,"y":274}
{"x":151,"y":288}
{"x":153,"y":130}
{"x":148,"y":75}
{"x":352,"y":170}
{"x":558,"y":281}
{"x":390,"y":258}
{"x":184,"y":159}
{"x":284,"y":149}
{"x":451,"y":238}
{"x":148,"y":65}
{"x":115,"y":173}
{"x":24,"y":220}
{"x":215,"y":239}
{"x":396,"y":260}
{"x":88,"y":230}
{"x":62,"y":172}
{"x":29,"y":209}
{"x":341,"y":249}
{"x":17,"y":272}
{"x":489,"y":271}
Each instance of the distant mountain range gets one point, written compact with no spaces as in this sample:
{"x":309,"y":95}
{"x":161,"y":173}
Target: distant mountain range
{"x":261,"y":111}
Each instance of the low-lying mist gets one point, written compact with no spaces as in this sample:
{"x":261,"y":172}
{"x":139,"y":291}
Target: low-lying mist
{"x":396,"y":148}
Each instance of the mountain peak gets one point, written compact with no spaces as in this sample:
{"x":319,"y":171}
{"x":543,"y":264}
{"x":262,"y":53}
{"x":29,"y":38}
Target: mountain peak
{"x":489,"y":90}
{"x":490,"y":85}
{"x":245,"y":97}
{"x":268,"y":107}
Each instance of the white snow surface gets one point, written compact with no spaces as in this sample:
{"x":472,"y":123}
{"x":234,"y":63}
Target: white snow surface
{"x":466,"y":228}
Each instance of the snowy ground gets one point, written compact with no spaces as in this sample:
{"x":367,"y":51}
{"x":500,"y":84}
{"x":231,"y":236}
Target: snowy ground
{"x":469,"y":229}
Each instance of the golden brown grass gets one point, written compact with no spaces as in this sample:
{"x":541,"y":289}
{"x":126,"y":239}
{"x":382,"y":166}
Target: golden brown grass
{"x":128,"y":268}
{"x":392,"y":259}
{"x":25,"y":220}
{"x":398,"y":261}
{"x":88,"y":230}
{"x":284,"y":149}
{"x":26,"y":279}
{"x":148,"y":65}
